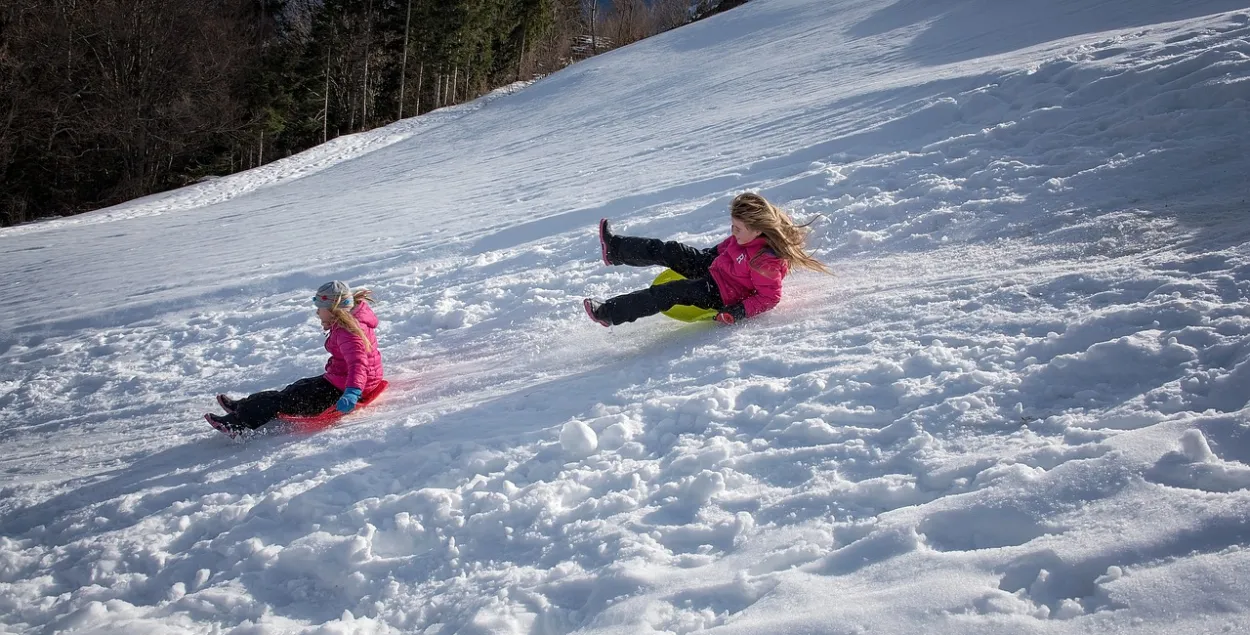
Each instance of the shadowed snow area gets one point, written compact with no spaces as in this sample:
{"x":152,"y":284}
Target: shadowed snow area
{"x":1019,"y":405}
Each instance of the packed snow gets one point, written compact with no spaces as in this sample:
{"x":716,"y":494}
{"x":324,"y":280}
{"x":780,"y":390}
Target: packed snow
{"x":1019,"y":405}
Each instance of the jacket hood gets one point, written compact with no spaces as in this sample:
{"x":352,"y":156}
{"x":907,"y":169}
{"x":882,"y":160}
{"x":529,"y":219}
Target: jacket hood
{"x":365,"y":315}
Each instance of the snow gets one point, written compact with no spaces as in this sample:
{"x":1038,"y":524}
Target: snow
{"x":578,"y":439}
{"x":1019,"y":405}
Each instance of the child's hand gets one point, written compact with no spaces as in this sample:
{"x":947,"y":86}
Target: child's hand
{"x":732,"y":314}
{"x":347,"y":402}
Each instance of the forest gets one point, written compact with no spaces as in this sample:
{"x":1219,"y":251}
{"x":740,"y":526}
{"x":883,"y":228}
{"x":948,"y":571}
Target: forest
{"x":103,"y":101}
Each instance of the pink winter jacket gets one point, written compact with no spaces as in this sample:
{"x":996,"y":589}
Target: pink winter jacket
{"x":350,"y":365}
{"x":750,"y":274}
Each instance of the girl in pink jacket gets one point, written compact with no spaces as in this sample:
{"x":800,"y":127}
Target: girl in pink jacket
{"x":355,"y":367}
{"x":739,"y":278}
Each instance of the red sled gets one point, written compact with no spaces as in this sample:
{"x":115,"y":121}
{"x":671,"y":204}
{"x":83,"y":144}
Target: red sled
{"x":331,"y":415}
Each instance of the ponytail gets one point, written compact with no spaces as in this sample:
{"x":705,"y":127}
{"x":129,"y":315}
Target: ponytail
{"x":344,"y":318}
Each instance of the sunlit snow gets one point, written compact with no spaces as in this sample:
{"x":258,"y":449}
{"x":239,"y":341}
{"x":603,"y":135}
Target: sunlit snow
{"x":1018,"y":406}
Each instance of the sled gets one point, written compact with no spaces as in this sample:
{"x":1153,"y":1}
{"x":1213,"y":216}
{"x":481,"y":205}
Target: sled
{"x":331,"y":415}
{"x":683,"y":312}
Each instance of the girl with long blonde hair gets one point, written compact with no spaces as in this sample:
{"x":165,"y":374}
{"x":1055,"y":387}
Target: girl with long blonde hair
{"x":354,"y":368}
{"x":739,"y":278}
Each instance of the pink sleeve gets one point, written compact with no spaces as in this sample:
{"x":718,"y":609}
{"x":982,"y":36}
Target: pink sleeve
{"x":767,"y":281}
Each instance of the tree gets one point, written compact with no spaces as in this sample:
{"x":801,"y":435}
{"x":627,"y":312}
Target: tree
{"x":403,"y":66}
{"x":669,"y":14}
{"x":112,"y":99}
{"x":105,"y":100}
{"x":627,"y":21}
{"x":592,"y":15}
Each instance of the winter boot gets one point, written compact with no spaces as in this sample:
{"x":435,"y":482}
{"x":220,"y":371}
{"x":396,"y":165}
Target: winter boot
{"x":228,"y":425}
{"x":592,"y":309}
{"x":228,"y":404}
{"x":605,"y":243}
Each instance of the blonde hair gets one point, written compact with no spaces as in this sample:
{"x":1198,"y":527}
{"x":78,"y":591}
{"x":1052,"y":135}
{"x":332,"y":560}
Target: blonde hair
{"x":344,"y":318}
{"x":784,"y":237}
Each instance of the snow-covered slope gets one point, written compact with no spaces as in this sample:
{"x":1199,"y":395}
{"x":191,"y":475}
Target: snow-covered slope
{"x":1019,"y":406}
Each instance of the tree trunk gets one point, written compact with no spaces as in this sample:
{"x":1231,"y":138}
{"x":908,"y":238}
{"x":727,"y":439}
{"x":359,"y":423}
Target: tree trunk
{"x":420,"y":73}
{"x":403,"y":66}
{"x":594,"y":17}
{"x":520,"y":63}
{"x":325,"y":109}
{"x":364,"y":96}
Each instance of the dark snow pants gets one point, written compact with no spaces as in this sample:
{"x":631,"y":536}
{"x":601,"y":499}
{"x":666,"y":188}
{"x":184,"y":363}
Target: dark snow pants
{"x":306,"y":397}
{"x":698,"y":289}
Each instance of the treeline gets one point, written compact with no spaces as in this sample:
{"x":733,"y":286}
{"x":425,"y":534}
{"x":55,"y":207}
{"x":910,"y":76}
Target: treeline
{"x":102,"y":101}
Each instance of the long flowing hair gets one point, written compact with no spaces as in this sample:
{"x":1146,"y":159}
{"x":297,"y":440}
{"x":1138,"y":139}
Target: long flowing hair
{"x":345,"y":319}
{"x":784,"y":237}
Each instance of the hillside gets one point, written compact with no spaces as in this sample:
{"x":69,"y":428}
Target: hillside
{"x":1019,"y":405}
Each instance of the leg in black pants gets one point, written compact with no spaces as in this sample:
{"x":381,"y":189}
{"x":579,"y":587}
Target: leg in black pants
{"x":698,"y":289}
{"x":644,"y":252}
{"x":700,"y":292}
{"x":306,"y":397}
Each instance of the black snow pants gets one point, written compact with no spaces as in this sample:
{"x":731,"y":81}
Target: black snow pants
{"x":306,"y":397}
{"x":698,"y":289}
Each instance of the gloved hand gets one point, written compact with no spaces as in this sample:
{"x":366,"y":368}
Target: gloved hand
{"x":732,"y":314}
{"x":347,"y":402}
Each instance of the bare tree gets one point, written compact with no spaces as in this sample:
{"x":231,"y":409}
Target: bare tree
{"x":627,"y":22}
{"x":325,"y":109}
{"x":420,"y":78}
{"x":111,"y":99}
{"x":668,"y":14}
{"x":592,"y":15}
{"x":403,"y":65}
{"x":364,"y":90}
